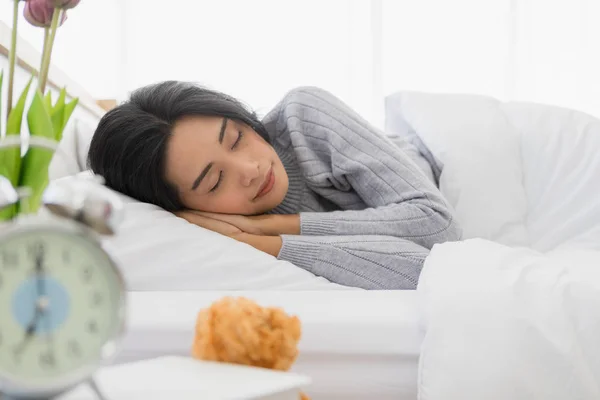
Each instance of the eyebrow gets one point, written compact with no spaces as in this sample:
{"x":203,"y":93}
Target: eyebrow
{"x":201,"y":176}
{"x":222,"y":133}
{"x":206,"y":170}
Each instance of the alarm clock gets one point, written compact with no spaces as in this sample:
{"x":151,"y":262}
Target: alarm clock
{"x":62,"y":297}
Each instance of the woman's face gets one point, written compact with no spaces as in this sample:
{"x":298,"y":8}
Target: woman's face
{"x":223,"y":166}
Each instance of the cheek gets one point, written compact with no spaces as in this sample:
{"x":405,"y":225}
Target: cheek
{"x":228,"y":202}
{"x":282,"y":184}
{"x":227,"y":205}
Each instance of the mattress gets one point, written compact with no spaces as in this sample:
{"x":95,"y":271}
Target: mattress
{"x":355,"y":345}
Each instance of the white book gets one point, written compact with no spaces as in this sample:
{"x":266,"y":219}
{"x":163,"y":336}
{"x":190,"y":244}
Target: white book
{"x":184,"y":378}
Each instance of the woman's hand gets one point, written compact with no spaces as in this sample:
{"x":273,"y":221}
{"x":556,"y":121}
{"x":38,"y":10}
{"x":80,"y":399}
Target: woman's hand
{"x":212,"y":224}
{"x":266,"y":225}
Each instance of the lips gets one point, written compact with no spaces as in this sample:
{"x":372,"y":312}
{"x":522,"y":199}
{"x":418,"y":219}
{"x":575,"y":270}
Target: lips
{"x":267,"y":184}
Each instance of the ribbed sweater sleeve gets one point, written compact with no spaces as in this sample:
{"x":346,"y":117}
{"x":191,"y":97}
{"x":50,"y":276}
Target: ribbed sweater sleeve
{"x":343,"y":156}
{"x":348,"y":162}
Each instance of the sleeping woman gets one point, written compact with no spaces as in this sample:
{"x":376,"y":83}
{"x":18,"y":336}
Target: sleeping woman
{"x":312,"y":183}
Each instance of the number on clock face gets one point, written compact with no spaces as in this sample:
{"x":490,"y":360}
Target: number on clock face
{"x":55,"y":317}
{"x":73,"y":348}
{"x":47,"y":359}
{"x":87,"y":273}
{"x":10,"y":259}
{"x":35,"y":249}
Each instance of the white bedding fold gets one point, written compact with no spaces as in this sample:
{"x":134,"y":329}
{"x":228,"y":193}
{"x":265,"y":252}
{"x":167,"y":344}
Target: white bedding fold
{"x":513,"y":312}
{"x":508,"y":323}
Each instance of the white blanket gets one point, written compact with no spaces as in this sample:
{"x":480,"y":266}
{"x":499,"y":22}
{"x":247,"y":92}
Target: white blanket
{"x":513,"y":312}
{"x":505,"y":323}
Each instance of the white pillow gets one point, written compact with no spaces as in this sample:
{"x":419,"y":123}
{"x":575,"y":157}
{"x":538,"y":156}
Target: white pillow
{"x":480,"y":151}
{"x":158,"y":251}
{"x":71,"y":155}
{"x":560,"y":149}
{"x":517,"y":173}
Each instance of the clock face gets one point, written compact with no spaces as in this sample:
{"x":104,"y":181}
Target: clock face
{"x":60,"y":303}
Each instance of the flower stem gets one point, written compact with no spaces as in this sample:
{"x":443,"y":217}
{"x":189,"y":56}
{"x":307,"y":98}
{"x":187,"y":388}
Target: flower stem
{"x":47,"y":56}
{"x":44,"y":49}
{"x":12,"y":58}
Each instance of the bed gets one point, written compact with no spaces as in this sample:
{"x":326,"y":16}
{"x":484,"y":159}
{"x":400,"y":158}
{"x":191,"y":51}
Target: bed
{"x":355,"y":345}
{"x":509,"y":312}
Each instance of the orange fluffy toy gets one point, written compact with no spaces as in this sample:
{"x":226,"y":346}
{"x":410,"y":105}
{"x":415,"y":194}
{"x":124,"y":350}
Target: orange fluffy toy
{"x":239,"y":331}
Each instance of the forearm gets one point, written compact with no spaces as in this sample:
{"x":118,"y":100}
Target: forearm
{"x":368,"y":262}
{"x":425,"y":223}
{"x":267,"y":244}
{"x":274,"y":224}
{"x":350,"y":163}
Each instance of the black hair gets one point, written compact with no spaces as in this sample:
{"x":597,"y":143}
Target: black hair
{"x":129,"y":145}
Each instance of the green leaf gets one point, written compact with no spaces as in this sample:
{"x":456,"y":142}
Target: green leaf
{"x":48,"y":100}
{"x":16,"y":114}
{"x":69,"y":108}
{"x":11,"y":158}
{"x":38,"y":118}
{"x":1,"y":78}
{"x":6,"y":213}
{"x":57,"y":114}
{"x":34,"y":172}
{"x":60,"y":102}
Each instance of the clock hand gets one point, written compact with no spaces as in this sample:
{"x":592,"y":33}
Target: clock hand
{"x":29,"y":332}
{"x":42,"y":299}
{"x":40,"y":305}
{"x":49,"y":340}
{"x":39,"y":272}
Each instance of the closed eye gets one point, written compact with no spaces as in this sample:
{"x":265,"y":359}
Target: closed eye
{"x":218,"y":182}
{"x":240,"y":136}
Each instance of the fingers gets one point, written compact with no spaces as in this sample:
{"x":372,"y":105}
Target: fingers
{"x":208,"y":223}
{"x":220,"y":217}
{"x":196,"y":219}
{"x":242,"y":222}
{"x":235,"y":220}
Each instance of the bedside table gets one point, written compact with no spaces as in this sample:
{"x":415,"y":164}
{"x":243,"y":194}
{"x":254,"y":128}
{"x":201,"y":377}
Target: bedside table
{"x":184,"y":378}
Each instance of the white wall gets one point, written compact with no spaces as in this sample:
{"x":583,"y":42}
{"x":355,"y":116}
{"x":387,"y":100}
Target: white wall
{"x":558,"y":53}
{"x":532,"y":50}
{"x":361,"y":50}
{"x":87,"y":46}
{"x":545,"y":51}
{"x":254,"y":50}
{"x":446,"y":46}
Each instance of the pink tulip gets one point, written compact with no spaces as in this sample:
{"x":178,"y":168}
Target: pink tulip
{"x":65,"y":4}
{"x":39,"y":13}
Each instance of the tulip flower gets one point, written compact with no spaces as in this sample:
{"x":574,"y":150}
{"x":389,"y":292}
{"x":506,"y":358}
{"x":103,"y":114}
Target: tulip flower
{"x":65,"y":4}
{"x":48,"y":14}
{"x":12,"y":58}
{"x":39,"y":13}
{"x":45,"y":119}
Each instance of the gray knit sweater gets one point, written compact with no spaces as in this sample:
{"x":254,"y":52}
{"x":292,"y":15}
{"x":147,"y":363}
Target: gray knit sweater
{"x":368,"y":213}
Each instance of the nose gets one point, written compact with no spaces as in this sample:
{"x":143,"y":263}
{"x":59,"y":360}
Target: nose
{"x":248,"y":172}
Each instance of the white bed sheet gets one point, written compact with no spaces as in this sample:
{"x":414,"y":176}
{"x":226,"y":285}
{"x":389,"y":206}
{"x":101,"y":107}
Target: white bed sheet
{"x":355,"y":345}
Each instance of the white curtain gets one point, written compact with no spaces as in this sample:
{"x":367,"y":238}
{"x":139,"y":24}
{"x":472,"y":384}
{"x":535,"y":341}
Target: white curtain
{"x":255,"y":50}
{"x":533,"y":50}
{"x":544,"y":51}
